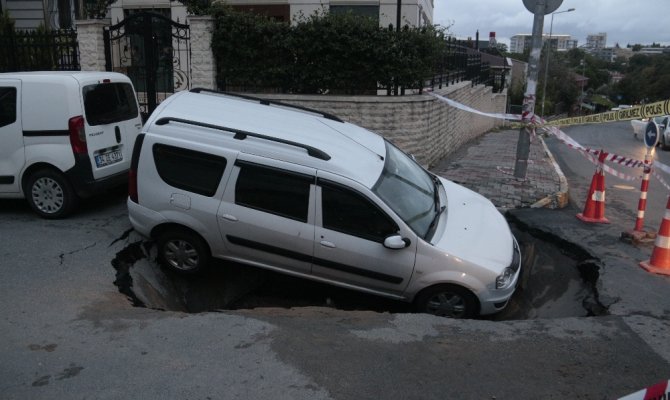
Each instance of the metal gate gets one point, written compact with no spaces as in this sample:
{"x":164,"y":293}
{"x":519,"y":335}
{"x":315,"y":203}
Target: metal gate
{"x":154,"y":52}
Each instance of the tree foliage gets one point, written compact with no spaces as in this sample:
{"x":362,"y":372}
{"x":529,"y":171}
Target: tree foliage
{"x":647,"y":79}
{"x":320,"y":53}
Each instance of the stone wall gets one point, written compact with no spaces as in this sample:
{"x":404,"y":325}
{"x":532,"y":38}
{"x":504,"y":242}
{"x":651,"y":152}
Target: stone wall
{"x":203,"y":68}
{"x":419,"y":124}
{"x":91,"y":44}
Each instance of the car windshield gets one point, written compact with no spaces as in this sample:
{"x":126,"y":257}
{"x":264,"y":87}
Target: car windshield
{"x":409,"y":190}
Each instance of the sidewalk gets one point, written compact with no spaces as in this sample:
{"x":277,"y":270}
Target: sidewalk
{"x":486,"y":166}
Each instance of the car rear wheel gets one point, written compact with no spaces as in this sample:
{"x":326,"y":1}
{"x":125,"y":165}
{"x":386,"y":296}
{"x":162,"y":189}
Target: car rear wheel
{"x":182,"y":251}
{"x":447,"y":301}
{"x":50,"y":194}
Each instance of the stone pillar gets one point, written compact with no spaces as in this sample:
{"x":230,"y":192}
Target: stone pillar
{"x":203,"y":67}
{"x":91,"y":44}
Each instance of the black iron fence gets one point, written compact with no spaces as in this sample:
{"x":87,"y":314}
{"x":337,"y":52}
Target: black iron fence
{"x":56,"y":50}
{"x":458,"y":63}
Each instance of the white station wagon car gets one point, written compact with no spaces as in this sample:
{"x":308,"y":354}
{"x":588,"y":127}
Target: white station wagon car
{"x":301,"y":192}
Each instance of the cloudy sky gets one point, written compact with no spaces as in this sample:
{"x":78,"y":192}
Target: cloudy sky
{"x":624,"y":21}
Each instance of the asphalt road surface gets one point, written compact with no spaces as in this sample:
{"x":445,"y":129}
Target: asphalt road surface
{"x":66,"y":332}
{"x":622,"y":196}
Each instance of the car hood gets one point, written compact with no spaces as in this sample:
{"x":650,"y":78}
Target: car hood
{"x":475,"y":231}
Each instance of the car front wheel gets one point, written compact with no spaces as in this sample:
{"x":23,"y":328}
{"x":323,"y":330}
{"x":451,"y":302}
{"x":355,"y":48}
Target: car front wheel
{"x":182,"y":251}
{"x":447,"y":301}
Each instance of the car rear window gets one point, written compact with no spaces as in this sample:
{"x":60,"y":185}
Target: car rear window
{"x":107,"y":103}
{"x":7,"y":105}
{"x":189,"y":170}
{"x":274,"y":191}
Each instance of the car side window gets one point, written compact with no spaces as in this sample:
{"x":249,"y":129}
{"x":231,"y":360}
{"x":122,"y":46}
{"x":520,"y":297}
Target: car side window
{"x":190,"y":170}
{"x":272,"y":190}
{"x":347,"y":211}
{"x":7,"y":105}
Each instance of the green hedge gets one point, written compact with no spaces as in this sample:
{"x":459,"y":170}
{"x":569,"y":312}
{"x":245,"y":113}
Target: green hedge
{"x":322,"y":53}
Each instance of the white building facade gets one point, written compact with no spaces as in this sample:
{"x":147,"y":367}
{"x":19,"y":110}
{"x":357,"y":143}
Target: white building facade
{"x":522,"y":42}
{"x":596,"y":40}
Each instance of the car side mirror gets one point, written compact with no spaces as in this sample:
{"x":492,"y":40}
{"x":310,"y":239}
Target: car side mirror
{"x":396,"y":242}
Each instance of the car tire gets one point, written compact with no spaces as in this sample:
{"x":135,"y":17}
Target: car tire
{"x":50,"y":194}
{"x":664,"y":145}
{"x":182,"y":251}
{"x":446,"y":300}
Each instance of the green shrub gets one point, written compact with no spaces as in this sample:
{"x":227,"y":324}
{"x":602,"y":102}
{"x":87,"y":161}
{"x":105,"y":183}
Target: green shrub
{"x":321,"y":53}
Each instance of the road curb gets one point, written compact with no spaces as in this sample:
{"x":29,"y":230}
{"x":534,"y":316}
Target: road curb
{"x":560,"y":198}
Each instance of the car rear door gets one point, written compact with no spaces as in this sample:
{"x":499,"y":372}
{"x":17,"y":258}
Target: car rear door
{"x":12,"y":154}
{"x":112,"y":122}
{"x":266,"y":217}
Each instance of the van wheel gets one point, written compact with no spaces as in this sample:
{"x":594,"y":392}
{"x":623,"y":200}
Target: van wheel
{"x":50,"y":194}
{"x":182,"y":251}
{"x":447,"y":301}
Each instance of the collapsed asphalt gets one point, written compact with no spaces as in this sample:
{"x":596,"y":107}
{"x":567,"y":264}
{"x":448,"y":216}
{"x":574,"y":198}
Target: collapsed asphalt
{"x":559,"y":280}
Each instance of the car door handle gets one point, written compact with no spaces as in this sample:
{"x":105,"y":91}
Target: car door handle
{"x":325,"y":243}
{"x":229,"y":217}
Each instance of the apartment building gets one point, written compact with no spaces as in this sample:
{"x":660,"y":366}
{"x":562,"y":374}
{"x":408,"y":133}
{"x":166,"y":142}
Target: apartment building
{"x":519,"y":43}
{"x":53,"y":14}
{"x":596,"y":40}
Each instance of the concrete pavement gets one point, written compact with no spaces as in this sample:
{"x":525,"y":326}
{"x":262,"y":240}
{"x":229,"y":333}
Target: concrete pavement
{"x":487,"y":167}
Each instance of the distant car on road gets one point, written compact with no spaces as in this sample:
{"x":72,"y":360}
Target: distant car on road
{"x":639,"y":126}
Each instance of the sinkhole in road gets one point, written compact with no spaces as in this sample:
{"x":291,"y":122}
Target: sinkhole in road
{"x":558,"y":280}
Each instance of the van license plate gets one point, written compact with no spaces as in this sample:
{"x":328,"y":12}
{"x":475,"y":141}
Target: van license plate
{"x":109,"y":158}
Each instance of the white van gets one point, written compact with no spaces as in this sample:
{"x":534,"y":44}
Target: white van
{"x":301,"y":192}
{"x":64,"y":136}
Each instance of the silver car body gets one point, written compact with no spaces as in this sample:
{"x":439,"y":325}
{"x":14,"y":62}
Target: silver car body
{"x":470,"y":246}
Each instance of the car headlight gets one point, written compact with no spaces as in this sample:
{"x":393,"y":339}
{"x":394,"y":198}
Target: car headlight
{"x":505,"y":280}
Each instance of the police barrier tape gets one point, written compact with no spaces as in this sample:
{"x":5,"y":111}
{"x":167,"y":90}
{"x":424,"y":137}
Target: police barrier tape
{"x":660,"y":391}
{"x":550,"y":127}
{"x":657,"y":109}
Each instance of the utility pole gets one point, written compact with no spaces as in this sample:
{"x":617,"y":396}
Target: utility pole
{"x":539,"y":8}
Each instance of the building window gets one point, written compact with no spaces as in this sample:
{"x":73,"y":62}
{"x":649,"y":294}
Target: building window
{"x":363,"y":11}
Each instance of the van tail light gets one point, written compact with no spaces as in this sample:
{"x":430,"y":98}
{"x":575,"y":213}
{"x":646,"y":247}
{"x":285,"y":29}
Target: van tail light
{"x":77,"y":135}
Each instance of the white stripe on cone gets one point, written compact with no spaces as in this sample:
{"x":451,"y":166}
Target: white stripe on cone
{"x":598,"y":196}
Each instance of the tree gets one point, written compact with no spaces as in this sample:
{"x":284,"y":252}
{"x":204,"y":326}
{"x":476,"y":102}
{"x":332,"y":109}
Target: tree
{"x":647,"y":79}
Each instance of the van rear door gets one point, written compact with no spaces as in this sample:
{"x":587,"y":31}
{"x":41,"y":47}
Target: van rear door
{"x":111,"y":123}
{"x":12,"y":154}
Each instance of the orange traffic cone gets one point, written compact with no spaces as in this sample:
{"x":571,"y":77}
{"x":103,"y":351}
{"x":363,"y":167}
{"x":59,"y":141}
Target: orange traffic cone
{"x":594,"y":209}
{"x":660,"y":256}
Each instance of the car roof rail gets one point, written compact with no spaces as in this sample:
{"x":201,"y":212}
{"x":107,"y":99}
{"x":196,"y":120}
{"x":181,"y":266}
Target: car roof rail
{"x":266,"y":102}
{"x":241,"y":135}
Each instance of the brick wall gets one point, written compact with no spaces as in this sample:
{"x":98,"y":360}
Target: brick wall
{"x":419,"y":124}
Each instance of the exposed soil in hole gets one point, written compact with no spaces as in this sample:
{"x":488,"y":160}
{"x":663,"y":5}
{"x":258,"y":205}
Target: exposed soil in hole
{"x":558,"y":280}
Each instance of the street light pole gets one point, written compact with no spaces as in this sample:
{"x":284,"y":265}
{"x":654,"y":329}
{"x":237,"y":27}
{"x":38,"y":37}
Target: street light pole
{"x":546,"y":66}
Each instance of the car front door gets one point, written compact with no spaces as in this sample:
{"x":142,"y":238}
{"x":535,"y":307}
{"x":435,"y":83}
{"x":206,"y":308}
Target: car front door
{"x":12,"y":155}
{"x":266,"y":217}
{"x":350,"y":233}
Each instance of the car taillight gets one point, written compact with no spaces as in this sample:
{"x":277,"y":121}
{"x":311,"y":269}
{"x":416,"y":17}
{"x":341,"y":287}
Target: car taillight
{"x":77,"y":135}
{"x":134,"y":165}
{"x":132,"y":185}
